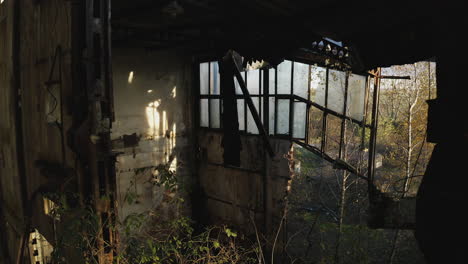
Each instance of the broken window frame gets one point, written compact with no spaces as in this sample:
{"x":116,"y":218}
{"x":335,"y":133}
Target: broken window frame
{"x":293,"y":100}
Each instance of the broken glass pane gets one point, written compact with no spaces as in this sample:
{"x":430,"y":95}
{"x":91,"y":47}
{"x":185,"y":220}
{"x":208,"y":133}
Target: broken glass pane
{"x":215,"y":117}
{"x":282,"y":126}
{"x":284,"y":77}
{"x":253,"y":81}
{"x":214,"y":78}
{"x":353,"y":139}
{"x":241,"y":113}
{"x":204,"y":112}
{"x":271,"y":83}
{"x":356,"y":94}
{"x":315,"y":127}
{"x":204,"y":75}
{"x":318,"y":85}
{"x":300,"y":110}
{"x":301,"y":79}
{"x":251,"y":126}
{"x":336,"y":90}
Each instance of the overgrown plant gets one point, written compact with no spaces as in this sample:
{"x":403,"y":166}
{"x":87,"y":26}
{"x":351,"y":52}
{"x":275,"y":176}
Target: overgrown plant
{"x":146,"y":236}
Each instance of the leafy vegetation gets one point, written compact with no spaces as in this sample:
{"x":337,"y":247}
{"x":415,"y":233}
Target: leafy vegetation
{"x":146,"y":237}
{"x":328,"y":216}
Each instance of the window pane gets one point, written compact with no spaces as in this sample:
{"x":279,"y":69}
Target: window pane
{"x":204,"y":75}
{"x":301,"y":79}
{"x":237,"y":85}
{"x":253,"y":81}
{"x":241,"y":113}
{"x":318,"y":85}
{"x":214,"y":78}
{"x":271,"y":83}
{"x":284,"y":77}
{"x":356,"y":94}
{"x":204,"y":112}
{"x":283,"y":117}
{"x":215,"y":117}
{"x":315,"y":127}
{"x":333,"y":136}
{"x":353,"y":139}
{"x":300,"y":111}
{"x":251,"y":126}
{"x":336,"y":90}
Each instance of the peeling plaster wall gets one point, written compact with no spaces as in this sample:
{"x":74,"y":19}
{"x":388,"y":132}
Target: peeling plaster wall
{"x":152,"y":96}
{"x":235,"y":195}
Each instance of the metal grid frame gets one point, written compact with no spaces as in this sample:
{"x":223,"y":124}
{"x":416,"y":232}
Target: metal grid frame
{"x":340,"y":161}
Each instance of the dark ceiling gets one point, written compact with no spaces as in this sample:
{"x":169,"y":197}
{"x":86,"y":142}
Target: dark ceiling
{"x":379,"y":33}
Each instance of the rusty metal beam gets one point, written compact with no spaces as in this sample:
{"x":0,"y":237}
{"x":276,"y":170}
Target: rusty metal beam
{"x":392,"y":77}
{"x":395,"y":77}
{"x":337,"y":163}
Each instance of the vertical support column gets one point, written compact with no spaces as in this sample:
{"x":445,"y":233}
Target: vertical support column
{"x":373,"y":135}
{"x":342,"y":150}
{"x":364,"y":122}
{"x":308,"y":106}
{"x":99,"y":94}
{"x":267,"y":198}
{"x":291,"y":103}
{"x":231,"y":138}
{"x":324,"y":119}
{"x":209,"y":93}
{"x":276,"y":103}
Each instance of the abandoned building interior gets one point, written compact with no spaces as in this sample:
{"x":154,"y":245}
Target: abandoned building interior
{"x":111,"y":100}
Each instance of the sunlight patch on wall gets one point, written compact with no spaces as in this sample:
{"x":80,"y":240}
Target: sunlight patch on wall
{"x":130,"y":77}
{"x":173,"y":135}
{"x":49,"y":206}
{"x":174,"y":128}
{"x":164,"y":123}
{"x":152,"y":115}
{"x":173,"y":165}
{"x":174,"y":92}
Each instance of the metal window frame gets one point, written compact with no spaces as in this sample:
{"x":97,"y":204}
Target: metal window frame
{"x":293,"y":99}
